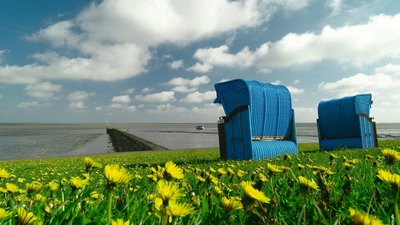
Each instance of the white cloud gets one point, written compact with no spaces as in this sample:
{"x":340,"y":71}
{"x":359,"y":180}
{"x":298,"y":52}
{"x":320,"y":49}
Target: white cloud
{"x":177,"y":64}
{"x":357,"y":44}
{"x":165,"y":96}
{"x":44,"y":91}
{"x":25,"y":105}
{"x":335,"y":5}
{"x":220,"y":56}
{"x":126,"y":30}
{"x":184,"y":89}
{"x":198,"y":97}
{"x":195,"y":82}
{"x":296,"y":81}
{"x":129,"y":91}
{"x":295,"y":90}
{"x":389,"y":68}
{"x":147,"y":90}
{"x":121,"y":99}
{"x":122,"y":102}
{"x":200,"y":68}
{"x":77,"y":99}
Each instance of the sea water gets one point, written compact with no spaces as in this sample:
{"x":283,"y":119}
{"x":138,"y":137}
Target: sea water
{"x":26,"y":141}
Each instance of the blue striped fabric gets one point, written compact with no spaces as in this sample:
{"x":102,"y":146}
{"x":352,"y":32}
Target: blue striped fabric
{"x":345,"y":123}
{"x":269,"y":114}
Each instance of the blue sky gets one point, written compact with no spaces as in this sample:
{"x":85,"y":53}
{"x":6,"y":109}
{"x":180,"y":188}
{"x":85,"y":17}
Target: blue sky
{"x":158,"y":60}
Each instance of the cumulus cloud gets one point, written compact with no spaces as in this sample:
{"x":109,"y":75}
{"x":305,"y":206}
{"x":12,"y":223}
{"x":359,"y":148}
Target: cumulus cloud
{"x":129,"y":91}
{"x":111,"y":40}
{"x":184,"y":89}
{"x":121,"y":99}
{"x":220,"y":56}
{"x":198,"y":97}
{"x":43,"y":91}
{"x":335,"y":5}
{"x":77,"y":99}
{"x":195,"y":82}
{"x":164,"y":96}
{"x":177,"y":64}
{"x":147,"y":90}
{"x":295,"y":90}
{"x":25,"y":105}
{"x":122,"y":102}
{"x":355,"y":44}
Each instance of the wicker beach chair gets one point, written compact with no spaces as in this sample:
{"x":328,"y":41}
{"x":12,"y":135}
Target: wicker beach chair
{"x":345,"y":123}
{"x":259,"y":121}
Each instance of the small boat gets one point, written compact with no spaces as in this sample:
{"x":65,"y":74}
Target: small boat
{"x":200,"y":127}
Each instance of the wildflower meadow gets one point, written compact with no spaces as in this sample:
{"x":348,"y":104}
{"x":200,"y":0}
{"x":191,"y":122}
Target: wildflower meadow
{"x":196,"y":187}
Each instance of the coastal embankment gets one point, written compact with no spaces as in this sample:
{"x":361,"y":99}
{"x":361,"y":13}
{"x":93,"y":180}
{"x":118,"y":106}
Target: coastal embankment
{"x":126,"y":142}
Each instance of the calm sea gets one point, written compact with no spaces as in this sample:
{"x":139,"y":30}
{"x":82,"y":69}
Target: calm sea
{"x":25,"y":141}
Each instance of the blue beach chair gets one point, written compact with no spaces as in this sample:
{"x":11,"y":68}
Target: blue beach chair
{"x":259,"y":121}
{"x":345,"y":123}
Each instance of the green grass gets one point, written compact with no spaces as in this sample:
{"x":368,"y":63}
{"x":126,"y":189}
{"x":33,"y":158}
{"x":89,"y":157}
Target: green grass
{"x":356,"y":187}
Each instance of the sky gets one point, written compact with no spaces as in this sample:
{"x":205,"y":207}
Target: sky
{"x":74,"y":61}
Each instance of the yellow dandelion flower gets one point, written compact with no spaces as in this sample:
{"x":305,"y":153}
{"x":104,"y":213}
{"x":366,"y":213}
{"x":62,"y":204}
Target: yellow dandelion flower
{"x":40,"y":198}
{"x":253,"y":193}
{"x":262,"y":177}
{"x":95,"y":195}
{"x":213,"y":179}
{"x":21,"y":180}
{"x":361,"y":218}
{"x":212,"y":170}
{"x":241,"y":173}
{"x":4,"y":174}
{"x":201,"y":179}
{"x":307,"y":184}
{"x":26,"y":218}
{"x":91,"y":164}
{"x":221,"y":171}
{"x":231,"y":171}
{"x":11,"y":187}
{"x":348,"y":165}
{"x":389,"y":178}
{"x":231,"y":204}
{"x":4,"y":213}
{"x":120,"y":222}
{"x":156,"y":174}
{"x":173,"y":170}
{"x":168,"y":190}
{"x":218,"y":190}
{"x":3,"y":190}
{"x":53,"y":185}
{"x":77,"y":182}
{"x":391,"y":155}
{"x":158,"y":203}
{"x":178,"y":209}
{"x":35,"y":186}
{"x":274,"y":168}
{"x":116,"y":174}
{"x":323,"y":170}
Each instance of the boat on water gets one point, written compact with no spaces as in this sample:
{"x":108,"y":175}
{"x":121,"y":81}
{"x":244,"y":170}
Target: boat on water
{"x":200,"y":127}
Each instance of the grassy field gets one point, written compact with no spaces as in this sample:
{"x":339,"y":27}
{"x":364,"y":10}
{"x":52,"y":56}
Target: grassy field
{"x":195,"y":187}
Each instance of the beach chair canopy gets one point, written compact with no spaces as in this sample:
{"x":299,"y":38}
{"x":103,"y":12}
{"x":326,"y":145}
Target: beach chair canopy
{"x":345,"y":123}
{"x":259,"y":120}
